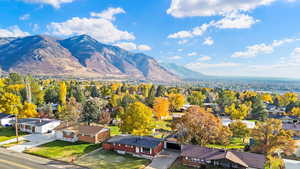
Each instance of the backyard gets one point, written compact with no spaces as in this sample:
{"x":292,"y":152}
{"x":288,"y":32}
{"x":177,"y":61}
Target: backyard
{"x":235,"y":143}
{"x":62,"y":150}
{"x":111,"y":160}
{"x":7,"y":133}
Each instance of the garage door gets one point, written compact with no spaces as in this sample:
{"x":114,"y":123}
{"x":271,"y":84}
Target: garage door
{"x":173,"y":146}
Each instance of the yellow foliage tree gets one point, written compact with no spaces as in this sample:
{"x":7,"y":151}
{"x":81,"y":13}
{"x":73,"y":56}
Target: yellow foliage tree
{"x":291,"y":97}
{"x":137,"y":120}
{"x":161,"y":107}
{"x":29,"y":110}
{"x":267,"y":98}
{"x":296,"y":111}
{"x":62,"y":93}
{"x":176,"y":101}
{"x":237,"y":112}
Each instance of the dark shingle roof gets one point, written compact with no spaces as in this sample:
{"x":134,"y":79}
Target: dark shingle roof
{"x":288,"y":126}
{"x":245,"y":159}
{"x":80,"y":129}
{"x":139,"y":141}
{"x":4,"y":115}
{"x":35,"y":121}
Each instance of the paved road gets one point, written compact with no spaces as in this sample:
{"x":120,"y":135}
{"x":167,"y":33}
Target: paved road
{"x":9,"y":161}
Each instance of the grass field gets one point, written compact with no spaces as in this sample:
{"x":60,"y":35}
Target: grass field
{"x":7,"y":133}
{"x":13,"y":144}
{"x":235,"y":143}
{"x":111,"y":160}
{"x":62,"y":150}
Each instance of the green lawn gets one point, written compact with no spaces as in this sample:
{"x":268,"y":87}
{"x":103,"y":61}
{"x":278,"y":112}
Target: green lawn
{"x":111,"y":160}
{"x":235,"y":143}
{"x":62,"y":150}
{"x":7,"y":133}
{"x":114,"y":130}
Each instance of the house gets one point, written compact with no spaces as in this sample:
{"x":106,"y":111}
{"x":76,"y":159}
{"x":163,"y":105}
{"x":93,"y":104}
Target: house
{"x":193,"y":155}
{"x":74,"y":133}
{"x":285,"y":119}
{"x":37,"y":125}
{"x":6,"y":119}
{"x":140,"y":146}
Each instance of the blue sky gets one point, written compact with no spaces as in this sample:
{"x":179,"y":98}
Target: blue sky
{"x":216,"y":37}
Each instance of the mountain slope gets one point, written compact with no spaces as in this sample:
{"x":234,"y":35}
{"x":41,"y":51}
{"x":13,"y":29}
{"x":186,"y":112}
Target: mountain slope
{"x":80,"y":56}
{"x":183,"y":72}
{"x":111,"y":59}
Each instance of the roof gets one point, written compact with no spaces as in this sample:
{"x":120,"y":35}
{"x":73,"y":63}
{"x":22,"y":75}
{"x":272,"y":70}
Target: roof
{"x":277,"y":116}
{"x":245,"y":159}
{"x":36,"y":121}
{"x":80,"y":129}
{"x":4,"y":115}
{"x":139,"y":141}
{"x":289,"y":126}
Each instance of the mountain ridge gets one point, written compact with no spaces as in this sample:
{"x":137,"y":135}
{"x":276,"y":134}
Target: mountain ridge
{"x":77,"y":56}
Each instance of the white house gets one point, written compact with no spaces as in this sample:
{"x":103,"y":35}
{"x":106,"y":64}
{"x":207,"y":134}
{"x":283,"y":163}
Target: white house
{"x":6,"y":119}
{"x":37,"y":125}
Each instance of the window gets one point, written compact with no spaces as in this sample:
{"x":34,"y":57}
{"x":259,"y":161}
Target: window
{"x":146,"y":150}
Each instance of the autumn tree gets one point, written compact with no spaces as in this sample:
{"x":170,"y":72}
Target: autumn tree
{"x":270,"y":138}
{"x":267,"y":98}
{"x":224,"y":136}
{"x":161,"y":107}
{"x":137,"y":120}
{"x":176,"y":101}
{"x":71,"y":111}
{"x":296,"y":111}
{"x":196,"y":98}
{"x":239,"y":129}
{"x":198,"y":126}
{"x":62,"y":93}
{"x":237,"y":112}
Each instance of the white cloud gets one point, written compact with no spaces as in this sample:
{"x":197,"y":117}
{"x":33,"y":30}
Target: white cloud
{"x":180,"y":35}
{"x":295,"y":55}
{"x":204,"y":58}
{"x":192,"y":54}
{"x":132,"y":46}
{"x":234,"y":20}
{"x":175,"y":57}
{"x":144,"y":47}
{"x":109,"y":14}
{"x":13,"y":31}
{"x":35,"y":27}
{"x":208,"y":41}
{"x":197,"y":65}
{"x":179,"y":50}
{"x":54,"y":3}
{"x":100,"y":28}
{"x":190,"y":8}
{"x":254,"y":50}
{"x":24,"y":17}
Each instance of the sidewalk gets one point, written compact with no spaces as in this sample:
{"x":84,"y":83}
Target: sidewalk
{"x":42,"y":161}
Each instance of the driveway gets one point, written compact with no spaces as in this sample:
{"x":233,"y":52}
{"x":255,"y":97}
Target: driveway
{"x":164,"y":160}
{"x":291,"y":164}
{"x":34,"y":140}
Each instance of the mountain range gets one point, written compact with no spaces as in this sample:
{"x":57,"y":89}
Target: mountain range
{"x":78,"y":56}
{"x":183,"y":72}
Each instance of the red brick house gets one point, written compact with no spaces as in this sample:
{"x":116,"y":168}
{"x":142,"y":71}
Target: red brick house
{"x":140,"y":146}
{"x":196,"y":156}
{"x":90,"y":134}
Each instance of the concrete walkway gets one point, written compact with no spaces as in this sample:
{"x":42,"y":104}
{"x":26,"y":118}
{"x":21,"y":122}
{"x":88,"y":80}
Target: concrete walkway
{"x":164,"y":160}
{"x":291,"y":164}
{"x":34,"y":141}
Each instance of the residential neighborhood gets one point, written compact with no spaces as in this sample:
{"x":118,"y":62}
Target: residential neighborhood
{"x":149,"y":84}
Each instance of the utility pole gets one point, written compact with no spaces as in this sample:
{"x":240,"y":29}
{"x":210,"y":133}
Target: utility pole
{"x":16,"y":124}
{"x":28,"y":90}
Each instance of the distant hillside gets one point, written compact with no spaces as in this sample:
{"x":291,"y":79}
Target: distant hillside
{"x":184,"y":72}
{"x":78,"y":56}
